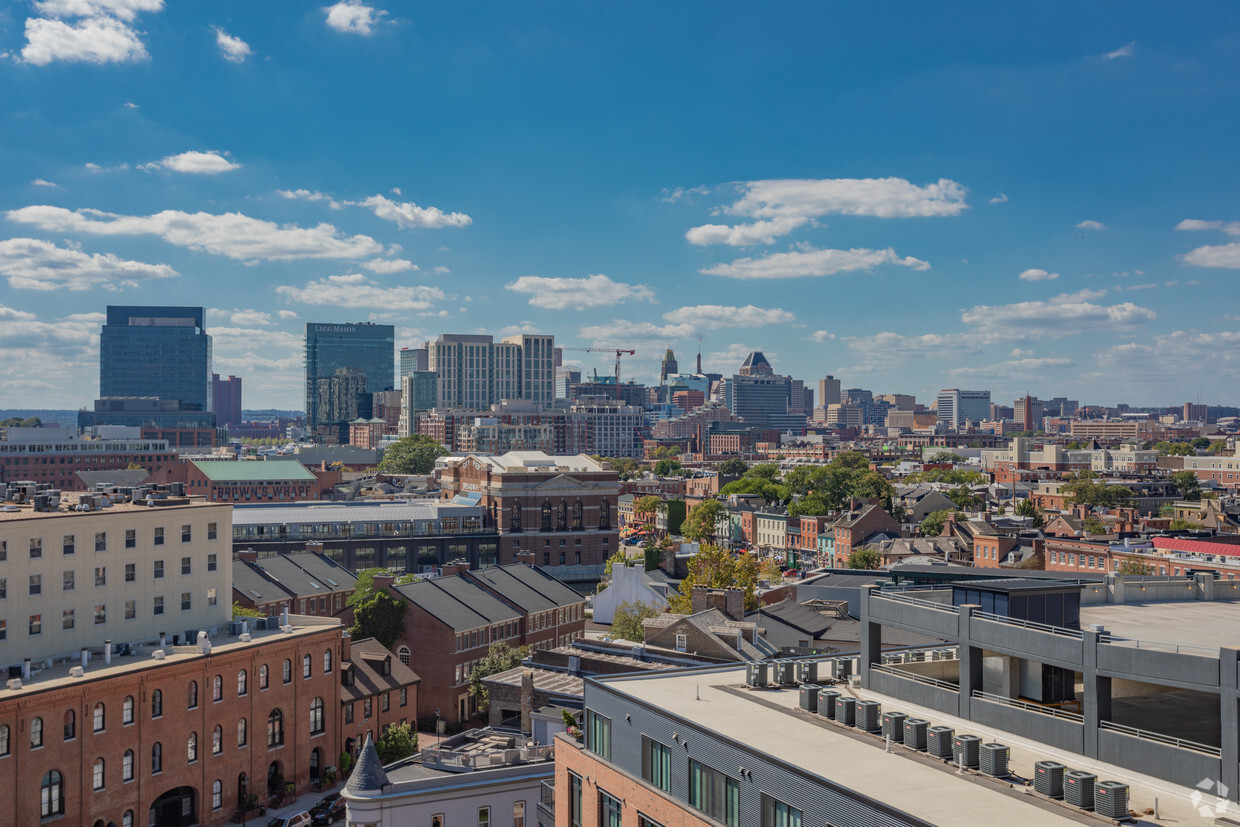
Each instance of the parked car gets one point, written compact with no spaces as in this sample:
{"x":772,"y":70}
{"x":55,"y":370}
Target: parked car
{"x":301,"y":819}
{"x":329,"y":810}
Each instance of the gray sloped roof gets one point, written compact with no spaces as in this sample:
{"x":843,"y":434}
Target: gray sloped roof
{"x":795,"y":615}
{"x":458,"y":603}
{"x":368,"y":678}
{"x":294,"y":578}
{"x":368,"y":775}
{"x":324,"y":570}
{"x":555,"y":592}
{"x":249,"y":581}
{"x":118,"y":477}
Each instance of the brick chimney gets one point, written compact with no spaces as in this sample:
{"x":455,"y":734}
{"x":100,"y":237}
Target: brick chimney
{"x":346,"y":647}
{"x":384,"y":582}
{"x":527,"y":701}
{"x":454,"y":567}
{"x":248,"y":555}
{"x":314,"y":547}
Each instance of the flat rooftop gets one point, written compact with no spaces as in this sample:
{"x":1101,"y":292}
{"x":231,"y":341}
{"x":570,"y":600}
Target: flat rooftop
{"x":1207,"y":624}
{"x":770,"y":722}
{"x":11,"y":511}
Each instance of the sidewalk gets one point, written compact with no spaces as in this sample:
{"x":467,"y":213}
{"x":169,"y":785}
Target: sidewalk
{"x":304,"y":802}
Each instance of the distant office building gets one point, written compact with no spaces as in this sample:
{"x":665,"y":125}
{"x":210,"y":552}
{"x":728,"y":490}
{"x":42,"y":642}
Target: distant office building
{"x":163,"y":352}
{"x":900,"y":401}
{"x":564,"y":378}
{"x":829,"y":392}
{"x":537,"y":378}
{"x":413,"y":359}
{"x":668,"y":366}
{"x":363,"y":348}
{"x":1027,"y":411}
{"x":756,"y":364}
{"x":418,"y":393}
{"x":956,"y":407}
{"x":760,"y":397}
{"x":226,"y":400}
{"x":341,"y":398}
{"x":386,"y":405}
{"x":1195,"y":413}
{"x":1060,"y":406}
{"x":474,"y":371}
{"x":56,"y":455}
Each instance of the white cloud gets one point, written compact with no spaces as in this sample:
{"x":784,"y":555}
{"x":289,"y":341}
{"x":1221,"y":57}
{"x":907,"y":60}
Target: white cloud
{"x":309,"y":195}
{"x":564,"y":293}
{"x":93,"y":40}
{"x":673,"y":195}
{"x":388,"y":266}
{"x":233,"y":49}
{"x":1064,"y":315}
{"x":715,"y":316}
{"x":880,"y":197}
{"x":233,"y":235}
{"x":892,"y":349}
{"x":356,"y":290}
{"x":32,"y":264}
{"x":1216,"y":255}
{"x":244,"y":316}
{"x":1122,"y":51}
{"x":1013,"y":369}
{"x":198,"y":163}
{"x":354,"y":17}
{"x":130,"y":105}
{"x":443,"y":271}
{"x":125,"y":10}
{"x":1090,"y":224}
{"x":821,"y":336}
{"x":408,"y":215}
{"x":744,"y":235}
{"x":1229,"y":227}
{"x":811,"y":262}
{"x":728,"y":360}
{"x":287,"y":314}
{"x":39,"y":182}
{"x":1036,"y":274}
{"x":999,"y":199}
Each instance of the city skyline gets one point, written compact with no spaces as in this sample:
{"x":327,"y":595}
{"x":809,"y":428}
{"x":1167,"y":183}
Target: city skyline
{"x":1014,"y":199}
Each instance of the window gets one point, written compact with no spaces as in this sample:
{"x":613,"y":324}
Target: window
{"x":608,"y":810}
{"x":36,"y":547}
{"x":191,"y":747}
{"x":159,"y":569}
{"x":217,"y":794}
{"x":404,"y":696}
{"x":367,"y":707}
{"x":4,"y":739}
{"x":217,"y":689}
{"x":327,"y":661}
{"x":518,"y":814}
{"x":484,"y":817}
{"x":275,"y":728}
{"x":212,"y":562}
{"x":241,"y":683}
{"x":131,"y":538}
{"x":598,"y":734}
{"x":212,"y":531}
{"x":193,"y":695}
{"x":186,"y":601}
{"x":348,"y":713}
{"x":187,"y":565}
{"x":713,"y":793}
{"x":70,"y":725}
{"x":127,"y":819}
{"x":36,"y":584}
{"x":316,"y":716}
{"x":157,"y":704}
{"x":157,"y":758}
{"x":99,"y":718}
{"x":158,"y":606}
{"x":187,"y":533}
{"x":437,"y":820}
{"x":778,"y":814}
{"x":127,"y":710}
{"x":36,"y":733}
{"x":101,"y":541}
{"x":97,"y":775}
{"x":243,"y":735}
{"x":4,"y":587}
{"x":217,"y":740}
{"x":35,"y":625}
{"x":288,"y":671}
{"x":385,"y":702}
{"x":52,"y":795}
{"x":127,"y":766}
{"x":305,"y":666}
{"x":101,"y":576}
{"x":131,"y":609}
{"x":159,"y":536}
{"x":645,"y":821}
{"x":574,"y":799}
{"x":70,"y":544}
{"x":67,"y":620}
{"x":657,"y":764}
{"x":262,"y":676}
{"x":101,"y":614}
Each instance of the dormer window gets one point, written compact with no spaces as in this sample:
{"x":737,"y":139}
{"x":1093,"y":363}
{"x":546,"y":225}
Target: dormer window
{"x":346,"y":677}
{"x":387,"y":665}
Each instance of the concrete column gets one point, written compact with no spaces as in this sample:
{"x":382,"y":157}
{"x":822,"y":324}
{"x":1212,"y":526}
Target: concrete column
{"x":871,"y":636}
{"x":1096,"y":703}
{"x":1229,"y":718}
{"x":970,"y":661}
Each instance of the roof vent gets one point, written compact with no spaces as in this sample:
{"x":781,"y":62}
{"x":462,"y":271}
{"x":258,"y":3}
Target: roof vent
{"x":14,"y":683}
{"x":77,"y":672}
{"x":158,"y":654}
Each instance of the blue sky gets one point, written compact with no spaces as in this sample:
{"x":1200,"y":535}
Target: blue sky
{"x":909,"y":196}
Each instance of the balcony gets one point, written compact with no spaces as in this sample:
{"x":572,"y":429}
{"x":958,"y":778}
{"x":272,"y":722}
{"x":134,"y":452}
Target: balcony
{"x":546,"y":801}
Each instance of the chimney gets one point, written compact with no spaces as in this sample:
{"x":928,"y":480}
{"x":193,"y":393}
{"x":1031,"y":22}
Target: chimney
{"x":698,"y":600}
{"x":527,"y":701}
{"x":734,"y":604}
{"x":346,"y":647}
{"x":384,"y":582}
{"x":85,"y":657}
{"x":163,"y":640}
{"x":26,"y":669}
{"x":314,"y":547}
{"x":248,"y":555}
{"x":452,"y":567}
{"x":107,"y":653}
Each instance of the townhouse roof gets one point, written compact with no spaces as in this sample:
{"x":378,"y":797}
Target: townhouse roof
{"x":293,"y":573}
{"x":272,"y":470}
{"x":367,"y":659}
{"x":249,"y":581}
{"x":715,"y":623}
{"x":794,"y":614}
{"x":545,"y":680}
{"x":458,"y":603}
{"x":530,"y":588}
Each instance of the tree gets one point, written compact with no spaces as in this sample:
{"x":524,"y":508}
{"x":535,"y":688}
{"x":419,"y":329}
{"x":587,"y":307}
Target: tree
{"x":767,"y":470}
{"x":699,"y":526}
{"x":1131,"y":566}
{"x":1200,"y":443}
{"x":963,"y":497}
{"x":932,"y":525}
{"x":1026,"y":508}
{"x":381,"y":617}
{"x":412,"y":455}
{"x":646,"y":509}
{"x":652,"y":551}
{"x":245,"y":611}
{"x":944,"y":456}
{"x":733,"y":467}
{"x":667,"y":467}
{"x":627,"y":621}
{"x":364,"y":589}
{"x":852,"y":461}
{"x":624,"y":466}
{"x":1093,"y":525}
{"x":716,"y":568}
{"x":396,"y":742}
{"x":665,"y":452}
{"x":1180,"y":524}
{"x":1187,"y":484}
{"x":499,"y":658}
{"x":619,"y":557}
{"x":1182,"y":449}
{"x":865,"y":558}
{"x":770,"y":571}
{"x":1085,"y":488}
{"x":18,"y":422}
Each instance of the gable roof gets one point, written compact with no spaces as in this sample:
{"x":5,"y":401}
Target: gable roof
{"x":793,"y":614}
{"x":272,"y":470}
{"x":458,"y":603}
{"x":368,"y":679}
{"x":530,"y":588}
{"x":297,"y":579}
{"x":249,"y":582}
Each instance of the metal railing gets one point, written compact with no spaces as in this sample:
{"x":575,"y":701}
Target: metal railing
{"x":546,"y":795}
{"x":1178,"y":648}
{"x":1159,"y":738}
{"x":1076,"y":634}
{"x":1041,"y":709}
{"x":466,"y":761}
{"x":913,"y":676}
{"x":915,"y":601}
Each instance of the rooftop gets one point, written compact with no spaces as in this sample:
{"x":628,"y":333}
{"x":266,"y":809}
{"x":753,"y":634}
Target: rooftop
{"x":272,"y":470}
{"x":1206,"y":624}
{"x":9,"y":511}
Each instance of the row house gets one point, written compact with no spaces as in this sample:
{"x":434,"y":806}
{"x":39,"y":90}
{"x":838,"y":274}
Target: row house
{"x":864,"y":523}
{"x":377,"y":690}
{"x":306,"y":583}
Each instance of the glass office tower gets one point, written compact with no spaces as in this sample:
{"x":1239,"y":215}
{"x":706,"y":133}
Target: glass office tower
{"x":363,"y":347}
{"x":163,"y":352}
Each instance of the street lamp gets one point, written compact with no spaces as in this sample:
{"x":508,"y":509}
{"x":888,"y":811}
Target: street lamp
{"x":438,"y":728}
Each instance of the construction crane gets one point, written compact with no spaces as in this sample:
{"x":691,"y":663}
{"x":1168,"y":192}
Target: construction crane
{"x":616,"y":350}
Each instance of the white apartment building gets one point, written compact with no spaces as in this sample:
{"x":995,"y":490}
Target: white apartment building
{"x":474,"y":371}
{"x":956,"y":407}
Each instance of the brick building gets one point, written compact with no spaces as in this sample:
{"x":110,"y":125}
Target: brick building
{"x":307,"y":583}
{"x":56,"y":455}
{"x":862,"y":524}
{"x":377,"y":690}
{"x":233,"y":481}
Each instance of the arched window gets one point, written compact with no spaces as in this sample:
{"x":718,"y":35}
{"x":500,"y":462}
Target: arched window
{"x":36,"y":733}
{"x":561,"y":516}
{"x":316,"y":716}
{"x":217,"y":740}
{"x":127,"y":766}
{"x":193,"y":694}
{"x":327,"y":661}
{"x":262,"y":676}
{"x":157,"y":758}
{"x":70,"y":725}
{"x":4,"y":739}
{"x":604,"y":515}
{"x":305,"y":666}
{"x":97,"y":774}
{"x":275,"y":728}
{"x":99,"y":719}
{"x":288,"y":671}
{"x":52,"y":794}
{"x":191,"y":747}
{"x":545,"y":524}
{"x":157,"y":704}
{"x":577,"y":512}
{"x":404,"y":654}
{"x":514,"y":517}
{"x":217,"y":688}
{"x":127,"y":819}
{"x":127,"y":710}
{"x":243,"y":735}
{"x":217,"y":794}
{"x":242,"y":679}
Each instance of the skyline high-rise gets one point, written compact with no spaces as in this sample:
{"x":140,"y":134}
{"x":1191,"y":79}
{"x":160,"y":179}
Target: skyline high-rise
{"x":956,"y":407}
{"x":473,"y":371}
{"x":226,"y":400}
{"x":153,"y":351}
{"x":364,"y":347}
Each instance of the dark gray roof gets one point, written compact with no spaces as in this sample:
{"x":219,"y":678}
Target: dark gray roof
{"x":530,"y":588}
{"x":324,"y":570}
{"x":795,"y":615}
{"x":1006,"y":585}
{"x":756,"y":357}
{"x":368,"y":678}
{"x":458,"y":603}
{"x":368,"y":774}
{"x":296,"y":579}
{"x":249,"y":581}
{"x":118,"y":477}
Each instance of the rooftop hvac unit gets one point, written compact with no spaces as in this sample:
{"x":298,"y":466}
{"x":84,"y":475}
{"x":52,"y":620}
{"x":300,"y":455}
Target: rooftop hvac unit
{"x":178,"y":489}
{"x":1078,"y":788}
{"x":756,"y":674}
{"x":826,"y":702}
{"x":966,"y":750}
{"x":1048,"y":778}
{"x":845,"y":710}
{"x":915,"y":733}
{"x":868,"y":713}
{"x":893,"y":726}
{"x":807,"y":671}
{"x":809,"y":697}
{"x":1111,"y":799}
{"x":843,"y":668}
{"x":786,"y":672}
{"x":994,"y":760}
{"x":939,"y":741}
{"x":915,"y":657}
